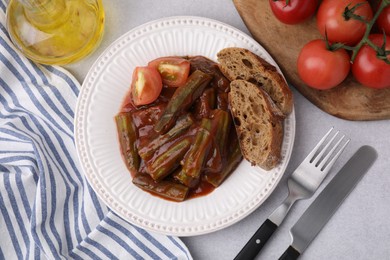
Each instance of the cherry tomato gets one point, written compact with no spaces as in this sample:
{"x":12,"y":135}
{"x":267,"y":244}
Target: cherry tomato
{"x":293,"y":11}
{"x":321,"y":68}
{"x":146,"y":85}
{"x":174,"y":70}
{"x":383,"y":20}
{"x":368,"y":69}
{"x":330,"y":19}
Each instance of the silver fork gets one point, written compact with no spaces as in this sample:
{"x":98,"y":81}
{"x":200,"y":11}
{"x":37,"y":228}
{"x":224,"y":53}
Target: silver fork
{"x":302,"y":184}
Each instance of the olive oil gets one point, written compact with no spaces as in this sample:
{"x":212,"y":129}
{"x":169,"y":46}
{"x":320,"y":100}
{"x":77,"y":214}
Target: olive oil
{"x":55,"y":31}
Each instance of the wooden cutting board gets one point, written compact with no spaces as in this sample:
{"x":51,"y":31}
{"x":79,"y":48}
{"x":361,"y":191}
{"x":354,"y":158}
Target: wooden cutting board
{"x":350,"y":100}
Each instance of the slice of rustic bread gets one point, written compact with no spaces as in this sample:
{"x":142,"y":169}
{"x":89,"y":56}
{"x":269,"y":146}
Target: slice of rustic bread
{"x":258,"y":122}
{"x":238,"y":63}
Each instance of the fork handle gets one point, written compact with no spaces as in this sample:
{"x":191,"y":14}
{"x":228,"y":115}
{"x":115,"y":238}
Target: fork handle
{"x":257,"y":241}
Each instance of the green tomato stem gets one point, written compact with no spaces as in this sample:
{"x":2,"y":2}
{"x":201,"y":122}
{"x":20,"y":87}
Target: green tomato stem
{"x":365,"y":39}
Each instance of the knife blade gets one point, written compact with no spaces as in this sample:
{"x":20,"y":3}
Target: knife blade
{"x":327,"y":202}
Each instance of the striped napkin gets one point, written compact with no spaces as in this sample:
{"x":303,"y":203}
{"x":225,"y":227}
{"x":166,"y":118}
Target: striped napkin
{"x":47,"y":209}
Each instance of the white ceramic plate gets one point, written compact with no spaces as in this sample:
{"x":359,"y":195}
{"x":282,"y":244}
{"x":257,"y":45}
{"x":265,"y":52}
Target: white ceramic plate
{"x":96,"y":138}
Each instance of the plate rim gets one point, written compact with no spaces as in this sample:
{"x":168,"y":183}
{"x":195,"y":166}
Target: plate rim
{"x":79,"y":142}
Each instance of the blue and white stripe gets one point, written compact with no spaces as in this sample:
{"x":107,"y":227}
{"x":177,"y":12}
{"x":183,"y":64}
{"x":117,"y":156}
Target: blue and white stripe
{"x":47,"y":209}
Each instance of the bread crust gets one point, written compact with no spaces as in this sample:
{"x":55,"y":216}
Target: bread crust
{"x":258,"y":122}
{"x":238,"y":63}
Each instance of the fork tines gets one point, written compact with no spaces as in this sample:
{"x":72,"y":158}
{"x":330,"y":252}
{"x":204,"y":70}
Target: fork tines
{"x":326,"y":152}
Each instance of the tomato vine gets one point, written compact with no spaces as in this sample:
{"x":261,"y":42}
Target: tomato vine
{"x":380,"y":50}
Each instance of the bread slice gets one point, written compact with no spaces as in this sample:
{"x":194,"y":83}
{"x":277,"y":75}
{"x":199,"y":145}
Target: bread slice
{"x":238,"y":63}
{"x":258,"y":122}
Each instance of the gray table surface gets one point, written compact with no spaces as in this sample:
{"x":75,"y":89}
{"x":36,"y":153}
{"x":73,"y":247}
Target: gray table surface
{"x":360,"y":229}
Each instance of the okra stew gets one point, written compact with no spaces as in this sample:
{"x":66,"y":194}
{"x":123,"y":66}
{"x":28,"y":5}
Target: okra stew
{"x":182,"y":143}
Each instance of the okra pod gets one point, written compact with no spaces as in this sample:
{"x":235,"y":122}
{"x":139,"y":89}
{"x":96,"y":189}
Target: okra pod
{"x":165,"y":163}
{"x":206,"y":65}
{"x":223,"y":120}
{"x":194,"y":160}
{"x":221,"y":124}
{"x":205,"y":104}
{"x":183,"y":123}
{"x":166,"y":189}
{"x":182,"y":99}
{"x":222,"y":101}
{"x":233,"y":159}
{"x":127,"y":136}
{"x":186,"y":179}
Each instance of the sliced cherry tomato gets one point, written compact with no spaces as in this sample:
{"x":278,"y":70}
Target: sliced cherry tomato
{"x":331,"y":20}
{"x":368,"y":69}
{"x":383,"y":20}
{"x":321,"y":68}
{"x":293,"y":11}
{"x":146,"y":85}
{"x":174,"y":70}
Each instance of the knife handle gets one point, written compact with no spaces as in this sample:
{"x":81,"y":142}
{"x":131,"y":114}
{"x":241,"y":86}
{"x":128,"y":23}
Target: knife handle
{"x":257,"y":241}
{"x":290,"y":254}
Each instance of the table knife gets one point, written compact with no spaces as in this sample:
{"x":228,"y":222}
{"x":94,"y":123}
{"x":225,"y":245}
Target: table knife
{"x":327,"y":202}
